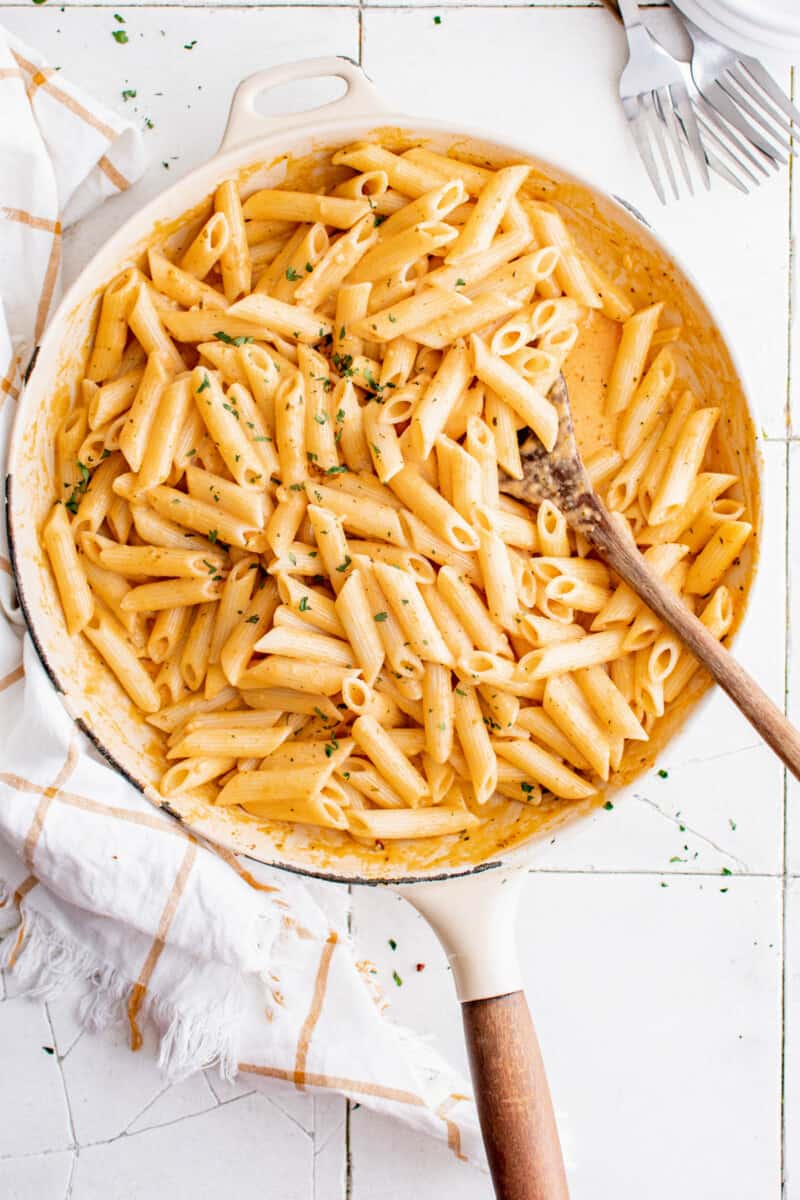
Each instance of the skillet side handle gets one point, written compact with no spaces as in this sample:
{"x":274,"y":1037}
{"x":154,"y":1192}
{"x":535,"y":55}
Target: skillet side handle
{"x":245,"y":122}
{"x":513,"y":1099}
{"x":474,"y":917}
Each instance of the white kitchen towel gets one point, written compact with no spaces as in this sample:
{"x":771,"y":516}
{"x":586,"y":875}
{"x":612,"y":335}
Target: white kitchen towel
{"x":255,"y":974}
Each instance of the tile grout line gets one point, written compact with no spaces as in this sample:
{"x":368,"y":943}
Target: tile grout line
{"x":348,"y":1153}
{"x":410,"y":6}
{"x":76,"y":1149}
{"x":787,"y":663}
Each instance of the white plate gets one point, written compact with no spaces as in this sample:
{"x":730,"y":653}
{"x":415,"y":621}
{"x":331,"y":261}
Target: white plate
{"x":769,"y":28}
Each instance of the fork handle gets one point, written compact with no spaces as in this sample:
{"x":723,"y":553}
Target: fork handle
{"x":779,"y":734}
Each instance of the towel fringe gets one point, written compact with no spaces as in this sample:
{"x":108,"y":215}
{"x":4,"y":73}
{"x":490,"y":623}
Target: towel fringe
{"x":45,"y":961}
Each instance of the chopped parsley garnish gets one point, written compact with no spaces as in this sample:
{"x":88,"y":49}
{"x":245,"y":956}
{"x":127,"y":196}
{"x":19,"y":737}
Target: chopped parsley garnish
{"x":251,"y":620}
{"x":382,"y":616}
{"x":461,"y":283}
{"x":304,"y":606}
{"x":379,"y":219}
{"x":309,"y":268}
{"x":437,"y":20}
{"x":527,"y":788}
{"x":129,"y":94}
{"x":344,"y":565}
{"x":393,"y":943}
{"x":330,"y":747}
{"x":205,"y":384}
{"x":726,"y":871}
{"x":343,"y":364}
{"x":213,"y":534}
{"x":321,"y":418}
{"x":662,"y":774}
{"x":336,"y":470}
{"x":119,"y":35}
{"x":80,"y":488}
{"x":397,"y":979}
{"x":608,"y":806}
{"x":292,"y":275}
{"x":232,"y":341}
{"x":190,"y":45}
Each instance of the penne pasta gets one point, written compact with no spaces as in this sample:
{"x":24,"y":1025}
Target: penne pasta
{"x":280,"y":519}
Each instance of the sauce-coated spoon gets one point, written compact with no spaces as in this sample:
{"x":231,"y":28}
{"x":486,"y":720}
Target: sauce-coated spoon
{"x":560,"y":476}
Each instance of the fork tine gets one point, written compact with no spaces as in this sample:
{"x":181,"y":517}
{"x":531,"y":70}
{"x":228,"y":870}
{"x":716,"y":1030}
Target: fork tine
{"x":633,"y":113}
{"x":719,"y":99}
{"x":718,"y":165}
{"x":667,"y":110}
{"x":648,"y":103}
{"x":712,"y":118}
{"x":768,"y":85}
{"x":760,"y":100}
{"x":783,"y":134}
{"x":680,"y":98}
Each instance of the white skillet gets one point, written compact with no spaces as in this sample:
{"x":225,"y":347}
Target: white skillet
{"x":471,"y":907}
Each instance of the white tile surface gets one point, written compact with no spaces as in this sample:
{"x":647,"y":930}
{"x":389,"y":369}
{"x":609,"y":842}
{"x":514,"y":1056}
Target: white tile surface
{"x":655,"y":984}
{"x":45,"y":1177}
{"x":241,"y":1149}
{"x":131,"y":1082}
{"x":33,"y":1108}
{"x":185,"y":1099}
{"x":391,"y":1163}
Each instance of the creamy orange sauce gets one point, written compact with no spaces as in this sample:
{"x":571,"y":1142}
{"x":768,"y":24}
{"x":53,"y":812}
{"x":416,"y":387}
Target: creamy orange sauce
{"x":586,"y":372}
{"x":629,"y":256}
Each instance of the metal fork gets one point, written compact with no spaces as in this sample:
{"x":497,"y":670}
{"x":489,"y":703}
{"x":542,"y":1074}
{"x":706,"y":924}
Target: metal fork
{"x":656,"y":103}
{"x":737,"y":87}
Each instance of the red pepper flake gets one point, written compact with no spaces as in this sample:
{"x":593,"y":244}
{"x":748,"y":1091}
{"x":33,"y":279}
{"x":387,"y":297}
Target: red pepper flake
{"x":420,"y":966}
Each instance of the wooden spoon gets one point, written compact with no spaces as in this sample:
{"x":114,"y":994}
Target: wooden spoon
{"x":560,"y":476}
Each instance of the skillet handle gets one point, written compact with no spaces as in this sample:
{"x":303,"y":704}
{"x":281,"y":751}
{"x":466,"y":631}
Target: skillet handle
{"x":513,"y":1099}
{"x":474,"y":917}
{"x":245,"y":122}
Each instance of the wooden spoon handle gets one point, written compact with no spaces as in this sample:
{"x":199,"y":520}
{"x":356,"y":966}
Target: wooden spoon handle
{"x":611,"y":5}
{"x":513,"y":1099}
{"x":779,"y":734}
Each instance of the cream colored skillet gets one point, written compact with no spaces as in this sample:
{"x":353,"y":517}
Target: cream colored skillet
{"x":468,"y":893}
